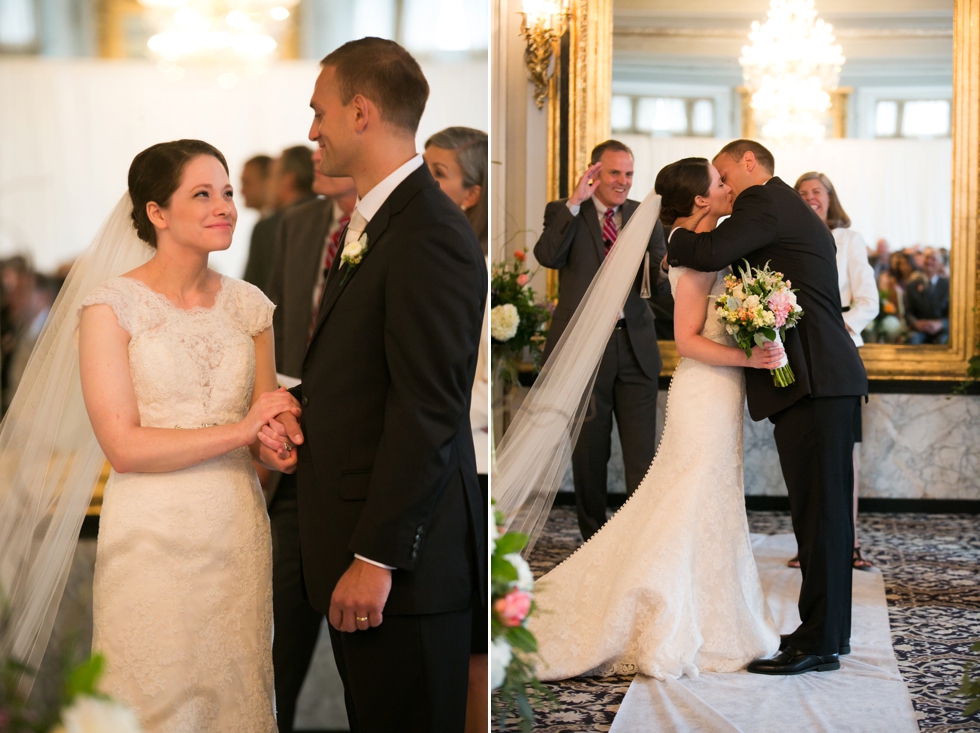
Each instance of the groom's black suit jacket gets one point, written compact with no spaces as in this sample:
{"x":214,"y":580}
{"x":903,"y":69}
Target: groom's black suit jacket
{"x":387,"y":469}
{"x":771,"y":223}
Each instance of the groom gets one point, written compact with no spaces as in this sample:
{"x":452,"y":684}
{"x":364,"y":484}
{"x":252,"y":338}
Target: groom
{"x":812,"y":417}
{"x":392,"y":531}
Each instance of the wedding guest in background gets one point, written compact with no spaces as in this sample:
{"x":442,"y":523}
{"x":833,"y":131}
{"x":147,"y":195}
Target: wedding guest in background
{"x":927,"y":303}
{"x":35,"y":301}
{"x":458,"y":158}
{"x":291,"y":183}
{"x":307,"y":241}
{"x":256,"y":188}
{"x":879,"y":258}
{"x":17,"y":282}
{"x":578,"y":234}
{"x":858,"y":294}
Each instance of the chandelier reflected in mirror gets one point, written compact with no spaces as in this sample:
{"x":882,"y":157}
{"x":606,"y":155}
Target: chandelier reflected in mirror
{"x":790,"y":68}
{"x":229,"y":37}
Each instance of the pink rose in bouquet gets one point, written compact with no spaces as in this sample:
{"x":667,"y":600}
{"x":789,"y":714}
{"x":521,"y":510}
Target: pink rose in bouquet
{"x":513,"y":607}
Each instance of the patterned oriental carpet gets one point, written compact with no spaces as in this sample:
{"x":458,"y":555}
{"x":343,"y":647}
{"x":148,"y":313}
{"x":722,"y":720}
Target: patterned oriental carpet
{"x":931,"y":569}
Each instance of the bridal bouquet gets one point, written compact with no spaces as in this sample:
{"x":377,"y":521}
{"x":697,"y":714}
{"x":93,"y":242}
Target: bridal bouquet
{"x":512,"y":646}
{"x":757,"y":307}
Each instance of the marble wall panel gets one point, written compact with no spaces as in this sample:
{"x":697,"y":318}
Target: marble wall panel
{"x":915,"y":447}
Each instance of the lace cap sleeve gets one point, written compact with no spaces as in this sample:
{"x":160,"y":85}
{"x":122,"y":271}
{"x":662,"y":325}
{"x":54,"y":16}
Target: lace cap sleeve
{"x":255,"y":310}
{"x":120,"y":297}
{"x":674,"y":276}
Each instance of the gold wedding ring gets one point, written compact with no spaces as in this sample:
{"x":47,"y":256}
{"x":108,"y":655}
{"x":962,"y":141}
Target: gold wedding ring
{"x":360,"y":618}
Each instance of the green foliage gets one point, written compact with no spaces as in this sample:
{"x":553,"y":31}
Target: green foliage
{"x":84,"y":679}
{"x":970,"y":689}
{"x":972,"y":375}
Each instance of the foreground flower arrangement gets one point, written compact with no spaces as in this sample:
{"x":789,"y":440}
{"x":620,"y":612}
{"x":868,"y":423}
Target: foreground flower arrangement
{"x":512,"y":646}
{"x":758,"y":307}
{"x":516,"y":320}
{"x":83,"y":709}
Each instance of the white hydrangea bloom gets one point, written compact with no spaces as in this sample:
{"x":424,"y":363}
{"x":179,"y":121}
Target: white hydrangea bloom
{"x":92,"y":715}
{"x":500,"y":656}
{"x":525,"y":578}
{"x":504,"y":320}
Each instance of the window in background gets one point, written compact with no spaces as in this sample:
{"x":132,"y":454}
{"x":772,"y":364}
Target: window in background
{"x":445,"y":25}
{"x":913,"y":118}
{"x":18,"y":26}
{"x":663,"y":116}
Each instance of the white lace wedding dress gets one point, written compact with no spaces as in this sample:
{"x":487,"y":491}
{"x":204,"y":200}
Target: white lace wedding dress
{"x":183,"y":574}
{"x":668,"y":586}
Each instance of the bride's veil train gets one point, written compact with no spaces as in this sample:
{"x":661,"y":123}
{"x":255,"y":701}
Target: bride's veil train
{"x":535,"y":451}
{"x":50,"y":460}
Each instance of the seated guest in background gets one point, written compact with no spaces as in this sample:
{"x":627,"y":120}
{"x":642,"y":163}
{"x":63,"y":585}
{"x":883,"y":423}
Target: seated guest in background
{"x":927,"y":303}
{"x":256,"y":188}
{"x":306,"y":243}
{"x":291,"y":184}
{"x":879,"y":258}
{"x":943,"y":254}
{"x":458,"y":158}
{"x":858,"y":297}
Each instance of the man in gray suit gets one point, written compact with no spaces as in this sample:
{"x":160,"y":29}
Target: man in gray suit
{"x":308,"y":239}
{"x":578,"y":233}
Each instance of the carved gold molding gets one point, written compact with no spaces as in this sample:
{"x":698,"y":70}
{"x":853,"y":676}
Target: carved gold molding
{"x":589,"y":71}
{"x":591,"y":89}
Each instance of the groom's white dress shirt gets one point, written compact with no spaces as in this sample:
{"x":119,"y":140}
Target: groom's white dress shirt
{"x":367,"y":207}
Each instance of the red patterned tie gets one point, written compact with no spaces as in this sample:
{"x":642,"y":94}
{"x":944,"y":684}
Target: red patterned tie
{"x":609,"y":232}
{"x":328,"y":259}
{"x":335,"y":242}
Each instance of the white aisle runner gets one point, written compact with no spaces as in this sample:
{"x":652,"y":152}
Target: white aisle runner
{"x":867,"y":694}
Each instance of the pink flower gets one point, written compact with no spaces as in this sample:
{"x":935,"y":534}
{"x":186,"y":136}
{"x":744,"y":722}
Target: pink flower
{"x":513,"y":607}
{"x":519,"y":255}
{"x":522,"y":280}
{"x":780,"y":305}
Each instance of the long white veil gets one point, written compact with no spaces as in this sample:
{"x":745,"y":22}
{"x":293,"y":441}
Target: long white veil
{"x":534,"y":452}
{"x":50,"y":460}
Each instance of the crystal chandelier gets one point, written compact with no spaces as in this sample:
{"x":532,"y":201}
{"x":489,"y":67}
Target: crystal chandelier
{"x":230,"y":36}
{"x":790,"y":69}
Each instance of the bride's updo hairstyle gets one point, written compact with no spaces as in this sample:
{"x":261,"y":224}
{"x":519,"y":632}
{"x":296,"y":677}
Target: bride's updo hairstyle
{"x":155,"y":174}
{"x":677,"y":184}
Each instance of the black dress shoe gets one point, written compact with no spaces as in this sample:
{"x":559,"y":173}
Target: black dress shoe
{"x":844,"y":650}
{"x":793,"y":661}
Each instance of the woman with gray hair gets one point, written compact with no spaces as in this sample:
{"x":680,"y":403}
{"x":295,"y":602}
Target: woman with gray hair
{"x":458,"y":158}
{"x":858,"y":293}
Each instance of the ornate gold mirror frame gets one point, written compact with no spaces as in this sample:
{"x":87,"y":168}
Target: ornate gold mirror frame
{"x":584,"y":74}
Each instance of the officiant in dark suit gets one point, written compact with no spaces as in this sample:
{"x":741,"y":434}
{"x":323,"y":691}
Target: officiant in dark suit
{"x":306,"y":246}
{"x":771,"y":224}
{"x":578,"y":233}
{"x":393,"y":537}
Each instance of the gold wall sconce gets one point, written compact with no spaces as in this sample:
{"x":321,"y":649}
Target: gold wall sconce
{"x":543,"y":22}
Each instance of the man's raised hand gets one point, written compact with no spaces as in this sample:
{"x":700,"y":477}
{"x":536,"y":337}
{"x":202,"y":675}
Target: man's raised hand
{"x":586,"y":185}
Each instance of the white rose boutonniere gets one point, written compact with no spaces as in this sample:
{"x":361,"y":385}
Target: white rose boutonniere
{"x":353,"y":254}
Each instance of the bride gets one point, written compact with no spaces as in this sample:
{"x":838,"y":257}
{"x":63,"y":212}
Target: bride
{"x":175,"y":364}
{"x":669,"y":585}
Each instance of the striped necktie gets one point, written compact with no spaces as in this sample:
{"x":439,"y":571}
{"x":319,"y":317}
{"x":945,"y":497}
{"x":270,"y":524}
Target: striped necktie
{"x":609,"y":232}
{"x":331,"y":253}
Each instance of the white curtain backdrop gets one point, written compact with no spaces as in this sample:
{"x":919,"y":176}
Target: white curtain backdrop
{"x":69,"y":130}
{"x":898,"y":190}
